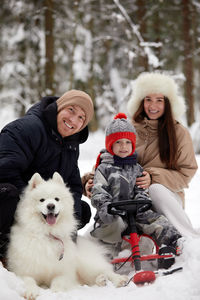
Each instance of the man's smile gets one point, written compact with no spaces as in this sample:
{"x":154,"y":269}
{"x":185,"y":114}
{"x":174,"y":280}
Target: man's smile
{"x":69,"y":126}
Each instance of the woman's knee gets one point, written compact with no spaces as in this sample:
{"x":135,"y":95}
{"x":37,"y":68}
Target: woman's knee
{"x":158,"y":194}
{"x":155,"y":190}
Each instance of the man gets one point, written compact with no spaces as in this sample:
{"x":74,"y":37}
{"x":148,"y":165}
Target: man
{"x":45,"y":140}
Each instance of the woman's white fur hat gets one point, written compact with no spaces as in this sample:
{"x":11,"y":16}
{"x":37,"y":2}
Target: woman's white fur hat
{"x":156,"y":83}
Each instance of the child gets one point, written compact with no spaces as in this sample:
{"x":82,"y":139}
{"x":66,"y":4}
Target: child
{"x":114,"y":180}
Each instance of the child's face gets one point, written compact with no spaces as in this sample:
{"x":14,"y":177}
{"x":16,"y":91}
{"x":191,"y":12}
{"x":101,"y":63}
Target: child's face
{"x":122,"y":148}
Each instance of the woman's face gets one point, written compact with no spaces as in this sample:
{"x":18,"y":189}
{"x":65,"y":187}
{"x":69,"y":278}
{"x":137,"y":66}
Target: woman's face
{"x":70,"y":120}
{"x":154,"y":106}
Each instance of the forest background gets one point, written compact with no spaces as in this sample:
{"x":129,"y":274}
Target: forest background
{"x":99,"y":46}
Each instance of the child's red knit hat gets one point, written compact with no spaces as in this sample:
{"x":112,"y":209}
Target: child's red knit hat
{"x":120,"y":128}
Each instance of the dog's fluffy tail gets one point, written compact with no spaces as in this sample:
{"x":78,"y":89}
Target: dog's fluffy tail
{"x":92,"y":260}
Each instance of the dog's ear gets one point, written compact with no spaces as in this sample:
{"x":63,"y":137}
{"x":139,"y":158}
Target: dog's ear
{"x":58,"y":178}
{"x":35,"y":180}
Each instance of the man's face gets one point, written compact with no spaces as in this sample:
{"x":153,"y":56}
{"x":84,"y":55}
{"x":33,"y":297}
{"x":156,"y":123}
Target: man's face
{"x":70,"y":120}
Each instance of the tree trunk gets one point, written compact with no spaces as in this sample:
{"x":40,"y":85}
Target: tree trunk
{"x":188,"y":61}
{"x":141,"y":12}
{"x":49,"y":45}
{"x":94,"y":123}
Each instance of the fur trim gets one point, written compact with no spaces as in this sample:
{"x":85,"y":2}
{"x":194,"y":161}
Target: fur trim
{"x":149,"y":83}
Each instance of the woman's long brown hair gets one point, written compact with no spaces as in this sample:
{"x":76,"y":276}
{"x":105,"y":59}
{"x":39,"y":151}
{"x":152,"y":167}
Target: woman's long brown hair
{"x":167,"y":140}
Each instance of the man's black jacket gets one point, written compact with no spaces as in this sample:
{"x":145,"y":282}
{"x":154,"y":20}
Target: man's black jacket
{"x":32,"y":144}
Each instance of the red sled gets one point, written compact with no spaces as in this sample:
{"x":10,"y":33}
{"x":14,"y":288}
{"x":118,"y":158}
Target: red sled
{"x":165,"y":256}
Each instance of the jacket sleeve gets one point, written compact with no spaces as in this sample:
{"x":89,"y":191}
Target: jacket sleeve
{"x":177,"y":180}
{"x":101,"y":197}
{"x":141,"y":194}
{"x":16,"y":151}
{"x":75,"y":186}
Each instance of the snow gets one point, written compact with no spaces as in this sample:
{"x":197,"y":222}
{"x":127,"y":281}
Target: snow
{"x":182,"y":285}
{"x":82,"y":55}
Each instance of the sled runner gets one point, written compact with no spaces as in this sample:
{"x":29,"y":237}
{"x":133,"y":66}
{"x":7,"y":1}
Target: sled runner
{"x":164,"y":256}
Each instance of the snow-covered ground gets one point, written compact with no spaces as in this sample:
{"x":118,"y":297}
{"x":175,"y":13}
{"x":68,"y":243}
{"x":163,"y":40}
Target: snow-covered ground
{"x":182,"y":285}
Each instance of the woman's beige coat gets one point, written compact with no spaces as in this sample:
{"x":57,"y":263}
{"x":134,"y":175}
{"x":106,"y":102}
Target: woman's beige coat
{"x":148,"y":156}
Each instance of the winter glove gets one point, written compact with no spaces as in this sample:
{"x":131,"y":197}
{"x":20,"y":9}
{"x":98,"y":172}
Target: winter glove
{"x":143,"y":207}
{"x":144,"y":197}
{"x":85,"y":214}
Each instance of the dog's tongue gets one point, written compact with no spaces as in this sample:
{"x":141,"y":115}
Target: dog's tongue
{"x":51,"y":219}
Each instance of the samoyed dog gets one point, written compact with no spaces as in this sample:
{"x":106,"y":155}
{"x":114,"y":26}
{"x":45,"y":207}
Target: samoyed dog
{"x":42,"y":250}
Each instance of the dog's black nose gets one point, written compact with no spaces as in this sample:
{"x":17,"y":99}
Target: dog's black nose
{"x":51,"y":207}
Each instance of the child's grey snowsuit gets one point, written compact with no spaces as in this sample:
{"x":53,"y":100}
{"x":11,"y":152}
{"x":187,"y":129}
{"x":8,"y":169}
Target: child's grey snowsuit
{"x":114,"y":180}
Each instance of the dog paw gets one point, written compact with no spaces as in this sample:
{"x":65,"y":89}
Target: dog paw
{"x":101,"y":280}
{"x":31,"y":294}
{"x":119,"y":280}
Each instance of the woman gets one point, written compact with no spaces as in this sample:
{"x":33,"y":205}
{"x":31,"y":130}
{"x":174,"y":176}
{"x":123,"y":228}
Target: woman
{"x":164,"y":146}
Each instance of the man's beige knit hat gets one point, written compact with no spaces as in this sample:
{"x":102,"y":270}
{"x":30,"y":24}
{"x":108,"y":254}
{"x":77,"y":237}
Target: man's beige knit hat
{"x":80,"y":98}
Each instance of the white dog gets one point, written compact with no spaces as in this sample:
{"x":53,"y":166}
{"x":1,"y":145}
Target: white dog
{"x":41,"y":249}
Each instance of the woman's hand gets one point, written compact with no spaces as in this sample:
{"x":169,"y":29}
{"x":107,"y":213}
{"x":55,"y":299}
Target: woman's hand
{"x":88,"y":188}
{"x":144,"y":181}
